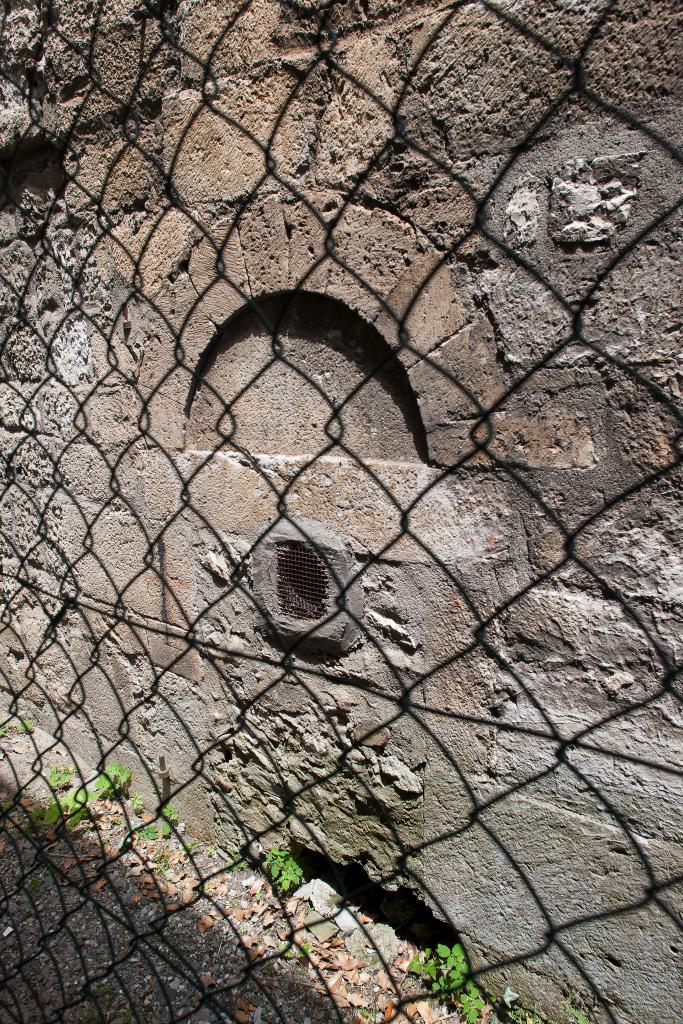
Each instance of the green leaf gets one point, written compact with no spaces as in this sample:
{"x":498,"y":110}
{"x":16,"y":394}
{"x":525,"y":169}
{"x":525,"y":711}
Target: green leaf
{"x":443,"y":951}
{"x":52,"y":813}
{"x":59,"y":776}
{"x":170,"y":814}
{"x":149,"y":833}
{"x":283,"y":869}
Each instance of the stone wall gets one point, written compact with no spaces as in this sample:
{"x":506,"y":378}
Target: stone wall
{"x":406,"y":271}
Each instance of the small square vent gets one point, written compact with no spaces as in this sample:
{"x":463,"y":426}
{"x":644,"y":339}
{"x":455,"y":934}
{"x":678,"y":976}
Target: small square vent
{"x":304,"y":579}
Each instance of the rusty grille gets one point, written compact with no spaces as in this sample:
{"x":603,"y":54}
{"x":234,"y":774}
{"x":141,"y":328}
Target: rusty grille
{"x":302,"y":581}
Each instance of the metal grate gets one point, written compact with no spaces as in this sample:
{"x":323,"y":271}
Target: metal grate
{"x":302,"y":581}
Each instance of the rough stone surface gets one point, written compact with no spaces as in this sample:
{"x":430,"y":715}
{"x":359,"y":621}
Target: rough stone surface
{"x":236,"y":287}
{"x":375,"y":943}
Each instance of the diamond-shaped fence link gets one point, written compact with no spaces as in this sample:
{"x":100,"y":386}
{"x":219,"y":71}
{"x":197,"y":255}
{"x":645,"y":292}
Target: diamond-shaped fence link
{"x":340,"y":515}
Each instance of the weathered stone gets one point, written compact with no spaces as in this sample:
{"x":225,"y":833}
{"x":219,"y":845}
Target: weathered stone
{"x":321,"y":895}
{"x":377,"y":944}
{"x":371,"y":734}
{"x":401,"y":776}
{"x":323,"y":930}
{"x":591,"y":200}
{"x":397,"y":276}
{"x":522,"y":217}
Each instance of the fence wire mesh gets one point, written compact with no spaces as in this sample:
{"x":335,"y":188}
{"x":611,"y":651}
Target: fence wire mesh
{"x":340,"y":478}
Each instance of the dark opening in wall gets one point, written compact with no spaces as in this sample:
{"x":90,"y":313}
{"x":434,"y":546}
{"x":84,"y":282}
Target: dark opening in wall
{"x":409,"y":915}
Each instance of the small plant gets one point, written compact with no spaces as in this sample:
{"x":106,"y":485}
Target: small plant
{"x":445,"y":968}
{"x":153,"y":831}
{"x":447,"y":971}
{"x":578,"y":1015}
{"x":472,"y":1002}
{"x":161,"y":829}
{"x":521,"y":1016}
{"x":71,"y":807}
{"x":137,"y":803}
{"x":60,"y":775}
{"x":170,"y":814}
{"x":114,"y":780}
{"x":283,"y":869}
{"x":16,"y":725}
{"x":293,"y":952}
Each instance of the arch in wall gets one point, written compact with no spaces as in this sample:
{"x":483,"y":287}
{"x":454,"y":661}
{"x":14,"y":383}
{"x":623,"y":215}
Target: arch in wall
{"x":298,"y":374}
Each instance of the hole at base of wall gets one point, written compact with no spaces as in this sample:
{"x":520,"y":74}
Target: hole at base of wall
{"x":409,"y":916}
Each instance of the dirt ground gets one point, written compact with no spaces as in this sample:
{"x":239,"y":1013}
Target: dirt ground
{"x":109,"y":922}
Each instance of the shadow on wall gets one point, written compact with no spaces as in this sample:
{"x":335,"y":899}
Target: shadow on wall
{"x":300,"y":374}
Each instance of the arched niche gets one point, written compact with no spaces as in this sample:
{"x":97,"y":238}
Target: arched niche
{"x":288,"y":366}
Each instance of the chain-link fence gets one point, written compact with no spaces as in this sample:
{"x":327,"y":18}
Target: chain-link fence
{"x":340,"y":354}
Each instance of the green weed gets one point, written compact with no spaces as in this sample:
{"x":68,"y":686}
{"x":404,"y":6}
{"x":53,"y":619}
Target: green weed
{"x":113,"y":781}
{"x":292,"y":952}
{"x":578,"y":1015}
{"x":71,"y":807}
{"x":60,"y":775}
{"x":521,"y":1016}
{"x":16,"y":724}
{"x":170,"y":814}
{"x":153,"y":831}
{"x":471,"y":1003}
{"x":446,"y":971}
{"x":283,"y":869}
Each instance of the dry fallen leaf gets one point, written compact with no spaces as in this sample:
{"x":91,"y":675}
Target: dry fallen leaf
{"x":340,"y":997}
{"x":426,"y":1012}
{"x":204,"y":923}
